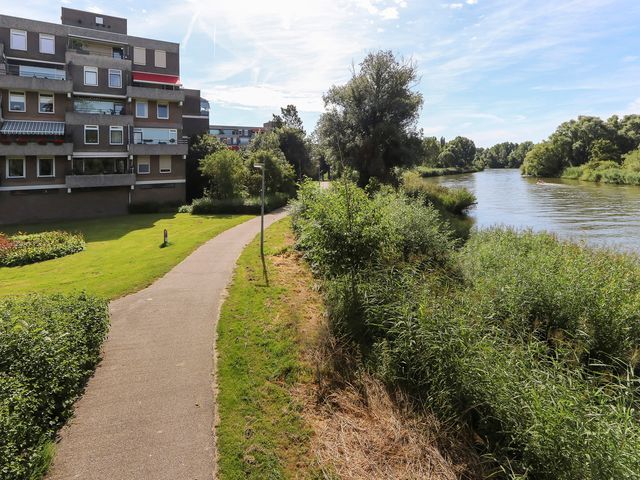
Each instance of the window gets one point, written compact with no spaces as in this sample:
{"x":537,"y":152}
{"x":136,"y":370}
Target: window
{"x":45,"y":103}
{"x":46,"y":167}
{"x":142,"y":109}
{"x":47,"y":43}
{"x":163,"y":111}
{"x":139,"y":56}
{"x":91,"y":135}
{"x":116,"y":135}
{"x":161,"y":58}
{"x":91,"y":76}
{"x":99,"y":21}
{"x":115,"y":78}
{"x":144,"y":165}
{"x":18,"y":39}
{"x":16,"y":168}
{"x":17,"y":102}
{"x":165,"y":164}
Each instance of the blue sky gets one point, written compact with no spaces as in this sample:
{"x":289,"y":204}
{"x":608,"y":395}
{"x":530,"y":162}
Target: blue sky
{"x":492,"y":70}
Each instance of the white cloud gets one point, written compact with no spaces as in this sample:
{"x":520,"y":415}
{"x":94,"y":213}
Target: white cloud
{"x":472,"y":2}
{"x":455,"y":6}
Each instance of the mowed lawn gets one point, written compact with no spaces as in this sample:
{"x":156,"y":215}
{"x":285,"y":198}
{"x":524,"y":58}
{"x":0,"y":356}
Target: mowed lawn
{"x":123,"y":254}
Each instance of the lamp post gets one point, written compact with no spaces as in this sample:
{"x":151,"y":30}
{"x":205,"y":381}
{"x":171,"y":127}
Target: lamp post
{"x":260,"y":166}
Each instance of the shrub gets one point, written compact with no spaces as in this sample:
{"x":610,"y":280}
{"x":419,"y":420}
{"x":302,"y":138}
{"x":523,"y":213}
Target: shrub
{"x":454,"y":200}
{"x":279,"y":174}
{"x":23,"y":249}
{"x":248,"y":206}
{"x":49,"y":346}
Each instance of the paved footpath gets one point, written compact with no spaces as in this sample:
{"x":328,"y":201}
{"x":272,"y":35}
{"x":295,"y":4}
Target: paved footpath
{"x":148,"y":412}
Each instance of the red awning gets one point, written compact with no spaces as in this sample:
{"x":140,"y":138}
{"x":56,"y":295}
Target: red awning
{"x":156,"y":78}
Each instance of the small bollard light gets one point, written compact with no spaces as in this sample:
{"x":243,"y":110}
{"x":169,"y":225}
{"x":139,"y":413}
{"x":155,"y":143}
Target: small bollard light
{"x":166,"y":238}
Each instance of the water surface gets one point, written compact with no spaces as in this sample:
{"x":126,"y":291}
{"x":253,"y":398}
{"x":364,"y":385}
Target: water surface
{"x":599,"y":214}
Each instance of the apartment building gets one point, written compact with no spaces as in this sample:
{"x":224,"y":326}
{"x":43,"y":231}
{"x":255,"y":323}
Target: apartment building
{"x":92,"y":120}
{"x":236,"y":137}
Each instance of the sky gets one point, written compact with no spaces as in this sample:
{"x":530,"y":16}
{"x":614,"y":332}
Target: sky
{"x":491,"y":70}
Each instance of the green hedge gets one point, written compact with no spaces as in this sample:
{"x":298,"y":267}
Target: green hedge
{"x":246,"y":206}
{"x":454,"y":200}
{"x":440,"y":172}
{"x":49,"y":346}
{"x":23,"y":249}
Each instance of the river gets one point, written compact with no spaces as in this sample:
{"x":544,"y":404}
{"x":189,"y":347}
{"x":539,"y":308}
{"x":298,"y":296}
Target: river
{"x":599,"y":214}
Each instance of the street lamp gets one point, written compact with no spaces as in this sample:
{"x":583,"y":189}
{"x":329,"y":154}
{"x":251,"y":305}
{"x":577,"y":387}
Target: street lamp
{"x":260,"y":166}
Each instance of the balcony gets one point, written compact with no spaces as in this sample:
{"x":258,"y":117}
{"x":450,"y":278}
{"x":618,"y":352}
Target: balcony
{"x":145,"y":93}
{"x":89,"y":111}
{"x":36,"y":79}
{"x":21,"y":147}
{"x":101,"y":180}
{"x":158,"y":141}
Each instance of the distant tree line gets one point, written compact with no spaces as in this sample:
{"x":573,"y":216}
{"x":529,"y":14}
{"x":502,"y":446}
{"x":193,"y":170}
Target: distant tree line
{"x":587,"y":139}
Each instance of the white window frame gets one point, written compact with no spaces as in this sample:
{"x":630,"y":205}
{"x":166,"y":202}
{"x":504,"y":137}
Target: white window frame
{"x":47,"y":36}
{"x":166,"y":104}
{"x":24,"y":104}
{"x":147,"y":162}
{"x":53,"y":100}
{"x":95,"y":128}
{"x":53,"y":167}
{"x":114,"y":70}
{"x":146,"y":108}
{"x":99,"y":21}
{"x":116,"y":129}
{"x":94,"y":70}
{"x":160,"y":169}
{"x":160,"y":58}
{"x":24,"y":166}
{"x":141,"y":57}
{"x":19,"y":32}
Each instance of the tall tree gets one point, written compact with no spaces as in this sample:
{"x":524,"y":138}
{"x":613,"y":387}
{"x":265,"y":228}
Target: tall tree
{"x":370,"y":121}
{"x":288,"y":118}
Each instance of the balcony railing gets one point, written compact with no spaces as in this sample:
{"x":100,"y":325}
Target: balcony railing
{"x":76,"y":45}
{"x":99,"y":107}
{"x":36,"y":72}
{"x":155,"y":136}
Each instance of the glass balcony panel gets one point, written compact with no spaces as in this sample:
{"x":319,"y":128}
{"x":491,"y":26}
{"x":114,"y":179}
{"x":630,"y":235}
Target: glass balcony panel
{"x":37,"y":72}
{"x":155,"y":136}
{"x":103,"y":107}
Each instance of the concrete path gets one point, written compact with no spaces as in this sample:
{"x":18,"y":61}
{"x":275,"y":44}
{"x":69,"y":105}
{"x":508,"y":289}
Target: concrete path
{"x":148,"y":412}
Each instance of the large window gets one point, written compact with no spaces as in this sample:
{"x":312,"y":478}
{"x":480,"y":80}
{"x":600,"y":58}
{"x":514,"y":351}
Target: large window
{"x":91,"y":135}
{"x":18,"y":39}
{"x":115,"y":78}
{"x":116,"y":135}
{"x":46,"y":167}
{"x":161,"y":58}
{"x":163,"y":111}
{"x":91,"y":76}
{"x":47,"y":43}
{"x":17,"y":102}
{"x":139,"y":56}
{"x":165,"y":164}
{"x":144,"y":165}
{"x":142,"y":109}
{"x":16,"y":168}
{"x":46,"y":103}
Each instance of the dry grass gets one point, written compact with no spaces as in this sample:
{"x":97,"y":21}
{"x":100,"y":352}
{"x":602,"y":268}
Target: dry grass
{"x":360,"y":430}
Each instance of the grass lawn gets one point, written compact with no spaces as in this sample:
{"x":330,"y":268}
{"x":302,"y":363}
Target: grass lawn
{"x":123,"y":254}
{"x":261,"y":433}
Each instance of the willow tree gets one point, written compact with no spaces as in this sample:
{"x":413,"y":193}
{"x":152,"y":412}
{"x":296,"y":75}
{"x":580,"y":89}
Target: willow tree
{"x":370,"y":122}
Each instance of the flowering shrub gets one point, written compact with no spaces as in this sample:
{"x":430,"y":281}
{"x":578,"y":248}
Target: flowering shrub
{"x":23,"y":249}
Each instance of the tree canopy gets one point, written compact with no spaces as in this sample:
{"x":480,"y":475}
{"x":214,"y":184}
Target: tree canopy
{"x":370,"y":122}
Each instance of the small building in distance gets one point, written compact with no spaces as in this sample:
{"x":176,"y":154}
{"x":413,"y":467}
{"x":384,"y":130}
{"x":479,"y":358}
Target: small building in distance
{"x":236,"y":137}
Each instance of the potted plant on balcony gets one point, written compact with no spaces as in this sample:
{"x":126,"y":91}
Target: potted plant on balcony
{"x":42,"y":141}
{"x":5,"y":141}
{"x":58,"y":141}
{"x":22,"y":140}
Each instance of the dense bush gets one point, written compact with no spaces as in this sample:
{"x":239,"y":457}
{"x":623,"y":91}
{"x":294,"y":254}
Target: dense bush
{"x":531,"y":282}
{"x":49,"y":346}
{"x":23,"y":249}
{"x":249,"y":205}
{"x":439,"y":172}
{"x":470,"y":333}
{"x":454,"y":200}
{"x":606,"y":172}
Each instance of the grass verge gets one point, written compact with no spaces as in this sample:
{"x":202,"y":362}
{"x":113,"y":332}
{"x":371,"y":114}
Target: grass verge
{"x":122,"y":254}
{"x":261,"y":433}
